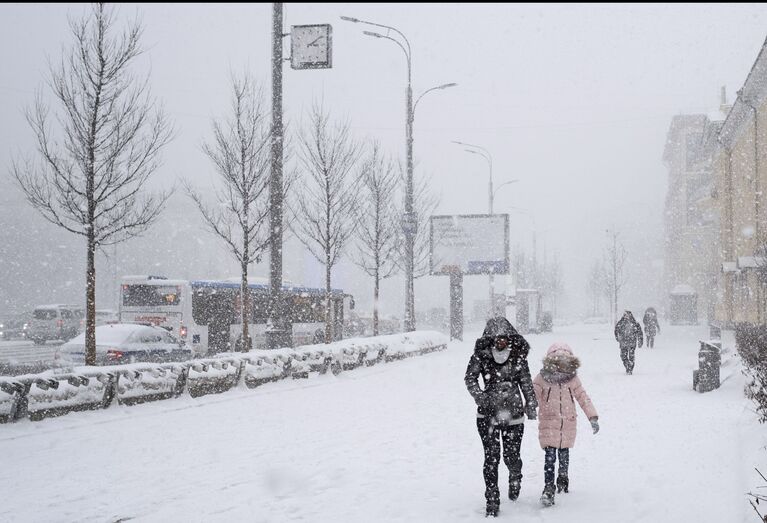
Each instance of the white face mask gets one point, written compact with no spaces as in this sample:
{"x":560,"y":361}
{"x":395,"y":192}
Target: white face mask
{"x":501,"y":356}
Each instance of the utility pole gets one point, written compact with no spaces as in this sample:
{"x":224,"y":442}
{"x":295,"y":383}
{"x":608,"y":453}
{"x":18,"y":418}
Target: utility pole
{"x":278,"y":329}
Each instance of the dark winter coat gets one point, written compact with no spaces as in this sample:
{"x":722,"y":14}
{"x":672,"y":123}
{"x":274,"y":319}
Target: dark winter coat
{"x":651,"y":325}
{"x":628,"y":332}
{"x":508,"y":386}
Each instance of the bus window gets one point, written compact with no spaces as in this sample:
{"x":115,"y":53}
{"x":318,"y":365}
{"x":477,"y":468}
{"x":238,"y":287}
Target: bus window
{"x":307,"y":309}
{"x":259,"y":305}
{"x":213,"y":304}
{"x":137,"y":295}
{"x":260,"y":309}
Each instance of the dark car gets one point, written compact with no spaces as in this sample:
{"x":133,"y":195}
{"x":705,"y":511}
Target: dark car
{"x":14,"y":328}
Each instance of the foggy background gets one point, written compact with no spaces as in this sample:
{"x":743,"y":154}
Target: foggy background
{"x":574,"y":101}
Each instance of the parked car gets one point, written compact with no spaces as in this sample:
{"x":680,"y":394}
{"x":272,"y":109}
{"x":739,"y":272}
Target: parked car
{"x":104,"y":316}
{"x":118,"y":343}
{"x":55,"y":322}
{"x":15,"y":327}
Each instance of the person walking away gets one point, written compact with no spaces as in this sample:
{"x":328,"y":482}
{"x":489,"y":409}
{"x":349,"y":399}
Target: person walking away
{"x":500,"y":360}
{"x":651,"y":326}
{"x":628,"y":334}
{"x":557,"y":387}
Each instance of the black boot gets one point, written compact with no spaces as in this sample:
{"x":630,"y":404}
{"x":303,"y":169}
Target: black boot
{"x":514,"y":488}
{"x":563,"y":483}
{"x":547,"y":498}
{"x":492,"y":509}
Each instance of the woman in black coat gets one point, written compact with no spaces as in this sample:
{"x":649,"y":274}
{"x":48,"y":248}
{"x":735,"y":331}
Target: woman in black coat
{"x":500,"y":359}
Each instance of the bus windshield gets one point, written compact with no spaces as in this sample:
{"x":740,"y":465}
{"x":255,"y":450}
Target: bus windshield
{"x":141,"y":295}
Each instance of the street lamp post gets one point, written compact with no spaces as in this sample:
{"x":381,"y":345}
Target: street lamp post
{"x":484,"y":153}
{"x":409,"y":220}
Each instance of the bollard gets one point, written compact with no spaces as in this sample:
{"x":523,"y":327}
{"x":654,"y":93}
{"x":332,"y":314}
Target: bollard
{"x":707,"y":377}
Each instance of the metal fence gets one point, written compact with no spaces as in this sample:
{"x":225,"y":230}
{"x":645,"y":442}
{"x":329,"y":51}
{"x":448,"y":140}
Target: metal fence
{"x":57,"y":392}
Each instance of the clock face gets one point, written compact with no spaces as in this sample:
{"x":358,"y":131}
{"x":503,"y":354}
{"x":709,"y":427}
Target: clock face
{"x":310,"y":46}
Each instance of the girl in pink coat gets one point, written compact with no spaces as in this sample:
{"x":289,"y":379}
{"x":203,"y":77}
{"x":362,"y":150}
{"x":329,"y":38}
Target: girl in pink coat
{"x":557,"y":388}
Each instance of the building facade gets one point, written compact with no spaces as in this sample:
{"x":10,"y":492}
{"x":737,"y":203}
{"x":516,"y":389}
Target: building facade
{"x":691,"y":217}
{"x":740,"y":172}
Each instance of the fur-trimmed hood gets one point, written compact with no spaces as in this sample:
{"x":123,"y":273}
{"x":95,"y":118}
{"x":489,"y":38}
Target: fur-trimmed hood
{"x":560,"y":364}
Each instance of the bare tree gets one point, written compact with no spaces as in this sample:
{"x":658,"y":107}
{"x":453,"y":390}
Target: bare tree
{"x":324,"y":210}
{"x":377,"y":227}
{"x":239,"y":152}
{"x":425,"y":203}
{"x":552,"y":285}
{"x":615,"y":274}
{"x":596,"y":286}
{"x":89,"y":177}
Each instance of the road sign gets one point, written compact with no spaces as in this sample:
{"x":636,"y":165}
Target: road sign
{"x":475,"y":244}
{"x":311,"y":46}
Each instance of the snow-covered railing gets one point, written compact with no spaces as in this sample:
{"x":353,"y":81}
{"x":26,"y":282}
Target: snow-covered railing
{"x":63,"y":390}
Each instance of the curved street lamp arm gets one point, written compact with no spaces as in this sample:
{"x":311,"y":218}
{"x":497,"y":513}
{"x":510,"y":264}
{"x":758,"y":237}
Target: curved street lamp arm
{"x":407,"y":42}
{"x":472,"y":145}
{"x":443,"y":86}
{"x":379,"y":35}
{"x":504,"y":183}
{"x":482,"y":153}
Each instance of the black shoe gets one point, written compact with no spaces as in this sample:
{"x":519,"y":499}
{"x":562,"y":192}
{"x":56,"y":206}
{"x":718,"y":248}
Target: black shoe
{"x":547,"y":498}
{"x":514,"y":487}
{"x":492,"y":510}
{"x":563,"y":483}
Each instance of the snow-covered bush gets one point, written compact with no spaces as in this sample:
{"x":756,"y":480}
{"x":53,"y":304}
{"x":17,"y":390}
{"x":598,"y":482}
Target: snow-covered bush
{"x":751,"y":341}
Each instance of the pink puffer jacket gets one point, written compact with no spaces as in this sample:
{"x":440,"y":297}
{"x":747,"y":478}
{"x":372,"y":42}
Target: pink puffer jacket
{"x":556,"y":398}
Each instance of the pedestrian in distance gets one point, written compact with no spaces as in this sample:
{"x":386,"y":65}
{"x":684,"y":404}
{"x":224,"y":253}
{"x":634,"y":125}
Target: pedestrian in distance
{"x":557,"y":387}
{"x":503,"y":400}
{"x":628,"y":334}
{"x":651,"y":326}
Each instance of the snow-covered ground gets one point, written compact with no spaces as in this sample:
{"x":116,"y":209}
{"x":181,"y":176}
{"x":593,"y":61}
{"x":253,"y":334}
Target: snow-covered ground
{"x":21,"y":351}
{"x":396,"y":442}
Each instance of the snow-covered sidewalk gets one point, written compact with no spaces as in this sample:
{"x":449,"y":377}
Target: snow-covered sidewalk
{"x":395,"y":442}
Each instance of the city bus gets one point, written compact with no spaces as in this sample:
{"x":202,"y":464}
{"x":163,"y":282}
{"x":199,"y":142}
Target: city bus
{"x":206,"y":314}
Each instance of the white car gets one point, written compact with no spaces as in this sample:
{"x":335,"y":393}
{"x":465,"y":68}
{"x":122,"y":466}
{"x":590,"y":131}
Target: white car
{"x":55,"y":322}
{"x":119,"y":343}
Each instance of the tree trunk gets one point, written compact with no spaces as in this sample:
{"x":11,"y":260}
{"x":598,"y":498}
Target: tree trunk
{"x":328,"y":301}
{"x":90,"y":302}
{"x":375,"y":302}
{"x":245,"y":346}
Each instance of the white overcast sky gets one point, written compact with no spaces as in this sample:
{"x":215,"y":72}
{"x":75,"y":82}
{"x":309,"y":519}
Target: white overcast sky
{"x":572,"y":100}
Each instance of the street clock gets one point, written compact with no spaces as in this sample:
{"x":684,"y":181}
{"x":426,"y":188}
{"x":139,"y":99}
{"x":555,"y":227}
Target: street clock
{"x":311,"y":46}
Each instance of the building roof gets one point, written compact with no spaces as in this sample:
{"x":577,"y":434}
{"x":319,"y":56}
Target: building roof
{"x":754,"y":91}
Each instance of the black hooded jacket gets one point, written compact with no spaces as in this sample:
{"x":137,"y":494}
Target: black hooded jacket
{"x":628,"y":332}
{"x":507,"y":386}
{"x":650,"y":320}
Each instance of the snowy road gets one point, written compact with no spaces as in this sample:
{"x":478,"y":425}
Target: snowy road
{"x":395,"y":442}
{"x":20,"y":351}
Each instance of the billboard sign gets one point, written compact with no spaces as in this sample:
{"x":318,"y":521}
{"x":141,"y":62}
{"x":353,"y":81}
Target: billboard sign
{"x":469,"y":243}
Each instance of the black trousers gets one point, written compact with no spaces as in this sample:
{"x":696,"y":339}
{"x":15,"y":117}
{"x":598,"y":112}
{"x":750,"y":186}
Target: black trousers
{"x":627,"y":356}
{"x":551,"y":459}
{"x":492,"y":435}
{"x":650,"y":340}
